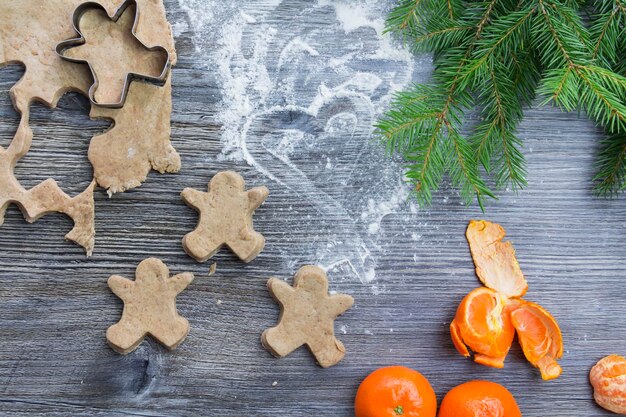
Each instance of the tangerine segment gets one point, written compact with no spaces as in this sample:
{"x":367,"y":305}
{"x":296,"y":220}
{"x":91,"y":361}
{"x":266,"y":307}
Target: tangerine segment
{"x":395,"y":391}
{"x":496,"y":265}
{"x":482,"y":323}
{"x":479,"y":399}
{"x":608,"y":378}
{"x":540,"y":337}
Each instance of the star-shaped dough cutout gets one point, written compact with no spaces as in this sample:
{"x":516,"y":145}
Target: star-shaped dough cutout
{"x":149,"y":307}
{"x":307,"y":317}
{"x":114,"y":54}
{"x":225,"y":218}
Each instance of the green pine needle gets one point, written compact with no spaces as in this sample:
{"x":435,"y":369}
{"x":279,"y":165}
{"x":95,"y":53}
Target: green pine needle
{"x":496,"y":57}
{"x":611,"y":175}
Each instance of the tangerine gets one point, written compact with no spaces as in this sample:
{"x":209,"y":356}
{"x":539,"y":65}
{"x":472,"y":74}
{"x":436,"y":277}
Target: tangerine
{"x":488,"y":318}
{"x":479,"y":399}
{"x":608,"y":378}
{"x":393,"y":392}
{"x":483,"y":324}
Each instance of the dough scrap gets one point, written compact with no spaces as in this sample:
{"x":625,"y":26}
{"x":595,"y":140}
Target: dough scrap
{"x":225,"y":218}
{"x":123,"y":156}
{"x":307,"y":316}
{"x":29,"y":33}
{"x":149,"y":307}
{"x":46,"y":197}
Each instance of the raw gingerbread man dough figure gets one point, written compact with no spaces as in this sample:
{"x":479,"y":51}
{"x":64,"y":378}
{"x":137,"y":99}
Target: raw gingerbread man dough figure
{"x":225,"y":218}
{"x":307,"y":317}
{"x":149,"y":307}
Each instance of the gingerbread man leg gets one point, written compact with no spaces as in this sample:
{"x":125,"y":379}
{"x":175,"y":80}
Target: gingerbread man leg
{"x":249,"y":246}
{"x":279,"y":341}
{"x":4,"y":205}
{"x":200,"y":247}
{"x":173,"y":334}
{"x":125,"y":336}
{"x":328,"y":350}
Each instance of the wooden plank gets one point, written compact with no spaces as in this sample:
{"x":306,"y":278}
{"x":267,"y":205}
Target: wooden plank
{"x":55,"y":305}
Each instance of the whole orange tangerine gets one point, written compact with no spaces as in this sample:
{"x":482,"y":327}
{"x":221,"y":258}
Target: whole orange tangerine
{"x":479,"y":399}
{"x":395,"y":391}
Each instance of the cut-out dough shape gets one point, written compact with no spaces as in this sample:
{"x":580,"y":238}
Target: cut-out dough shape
{"x":121,"y":157}
{"x":107,"y":44}
{"x":149,"y":307}
{"x":225,"y":218}
{"x":307,"y":317}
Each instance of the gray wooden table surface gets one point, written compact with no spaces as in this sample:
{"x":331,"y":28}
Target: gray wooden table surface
{"x":286,"y":92}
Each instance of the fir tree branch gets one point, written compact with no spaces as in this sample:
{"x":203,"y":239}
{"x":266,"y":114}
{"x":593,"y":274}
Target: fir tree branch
{"x":502,"y":31}
{"x":606,"y":22}
{"x":465,"y":174}
{"x":525,"y":75}
{"x":443,"y":129}
{"x":497,"y":55}
{"x":408,"y":15}
{"x":495,"y":137}
{"x":611,"y":176}
{"x":601,"y":103}
{"x":441,"y":39}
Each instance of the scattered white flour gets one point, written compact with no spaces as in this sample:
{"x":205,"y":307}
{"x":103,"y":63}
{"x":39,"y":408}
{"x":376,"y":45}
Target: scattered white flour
{"x":377,"y":289}
{"x":293,"y":48}
{"x":354,"y":15}
{"x":179,"y":28}
{"x":376,"y":210}
{"x":285,"y":95}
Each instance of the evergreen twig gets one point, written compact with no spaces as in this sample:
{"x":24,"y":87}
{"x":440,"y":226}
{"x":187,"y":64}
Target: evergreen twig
{"x":497,"y":56}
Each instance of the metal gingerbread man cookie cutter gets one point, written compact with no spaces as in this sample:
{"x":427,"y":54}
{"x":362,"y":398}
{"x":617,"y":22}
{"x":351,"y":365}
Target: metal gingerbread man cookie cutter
{"x":130,"y":77}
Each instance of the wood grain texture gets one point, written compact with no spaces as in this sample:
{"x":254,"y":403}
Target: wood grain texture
{"x":55,"y":305}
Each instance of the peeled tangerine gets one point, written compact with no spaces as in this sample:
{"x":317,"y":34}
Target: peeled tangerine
{"x":488,"y":318}
{"x":483,"y":324}
{"x":608,"y":378}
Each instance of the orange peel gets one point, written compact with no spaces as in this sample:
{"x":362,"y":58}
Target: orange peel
{"x":496,"y":265}
{"x":540,"y":338}
{"x":488,"y":318}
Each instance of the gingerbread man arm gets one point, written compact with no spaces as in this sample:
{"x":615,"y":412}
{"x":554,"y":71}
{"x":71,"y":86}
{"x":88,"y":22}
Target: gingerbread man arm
{"x":193,"y":197}
{"x":256,"y":197}
{"x":339,"y":304}
{"x":280,"y":290}
{"x":179,"y":282}
{"x":120,"y":286}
